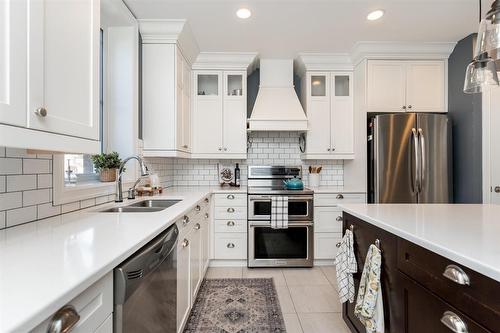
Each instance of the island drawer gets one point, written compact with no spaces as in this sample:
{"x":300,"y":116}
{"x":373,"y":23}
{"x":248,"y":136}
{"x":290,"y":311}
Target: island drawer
{"x":479,"y":298}
{"x":425,"y":312}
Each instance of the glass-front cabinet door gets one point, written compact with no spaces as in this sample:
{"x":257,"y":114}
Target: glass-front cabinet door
{"x":234,"y":83}
{"x":318,"y":85}
{"x":342,"y":115}
{"x":208,"y":84}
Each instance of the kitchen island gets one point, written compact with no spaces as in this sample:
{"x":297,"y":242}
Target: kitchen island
{"x":440,"y":266}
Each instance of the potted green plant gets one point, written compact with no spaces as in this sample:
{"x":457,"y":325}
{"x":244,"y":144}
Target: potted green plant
{"x":106,"y":165}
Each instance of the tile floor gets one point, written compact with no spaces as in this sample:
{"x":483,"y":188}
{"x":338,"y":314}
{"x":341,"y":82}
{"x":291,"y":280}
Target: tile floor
{"x":308,"y":296}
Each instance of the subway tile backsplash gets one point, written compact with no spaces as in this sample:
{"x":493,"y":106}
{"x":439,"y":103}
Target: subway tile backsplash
{"x":26,"y":179}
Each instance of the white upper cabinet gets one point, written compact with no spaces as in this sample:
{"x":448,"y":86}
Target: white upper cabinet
{"x":219,"y":114}
{"x":49,"y":74}
{"x":386,"y":86}
{"x":406,"y":86}
{"x":425,"y":86}
{"x":64,"y":67}
{"x":166,"y":101}
{"x":330,"y":115}
{"x":13,"y":48}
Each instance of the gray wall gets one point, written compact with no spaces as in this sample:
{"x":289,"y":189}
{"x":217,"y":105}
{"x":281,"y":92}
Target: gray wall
{"x":465,"y":113}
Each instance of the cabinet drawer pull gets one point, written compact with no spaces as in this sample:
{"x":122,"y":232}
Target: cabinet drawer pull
{"x":339,"y":219}
{"x":41,"y":112}
{"x":206,"y":215}
{"x":230,"y":245}
{"x":230,"y":197}
{"x":185,"y":146}
{"x":185,"y":243}
{"x":340,"y":196}
{"x":338,"y":244}
{"x":197,"y":226}
{"x":185,"y":220}
{"x":225,"y":149}
{"x":64,"y":320}
{"x":454,"y":322}
{"x":197,"y":208}
{"x":230,"y":223}
{"x":230,"y":210}
{"x":457,"y":275}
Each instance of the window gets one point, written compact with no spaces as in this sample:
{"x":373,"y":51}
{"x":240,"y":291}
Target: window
{"x":78,"y":168}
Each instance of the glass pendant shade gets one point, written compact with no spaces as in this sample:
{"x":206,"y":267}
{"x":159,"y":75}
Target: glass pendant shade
{"x":480,"y":73}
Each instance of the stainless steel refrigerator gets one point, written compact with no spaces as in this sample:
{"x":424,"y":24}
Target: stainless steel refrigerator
{"x":409,"y":158}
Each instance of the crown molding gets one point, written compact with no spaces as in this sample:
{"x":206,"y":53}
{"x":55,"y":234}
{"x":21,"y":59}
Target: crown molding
{"x":322,"y":62}
{"x":159,"y":31}
{"x":226,"y":60}
{"x":400,"y":50}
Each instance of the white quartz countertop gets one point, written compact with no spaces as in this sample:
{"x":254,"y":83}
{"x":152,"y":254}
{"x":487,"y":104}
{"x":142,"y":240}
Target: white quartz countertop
{"x":467,"y":234}
{"x":45,"y":264}
{"x":333,"y":189}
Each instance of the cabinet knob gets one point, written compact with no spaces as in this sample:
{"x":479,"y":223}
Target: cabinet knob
{"x":185,"y":220}
{"x":220,"y":148}
{"x":328,"y":149}
{"x":64,"y":320}
{"x":206,"y":215}
{"x":497,"y":189}
{"x":338,"y":245}
{"x":41,"y":112}
{"x":333,"y":149}
{"x":340,"y":196}
{"x":404,"y":107}
{"x":197,"y":208}
{"x":230,"y":210}
{"x":225,"y":149}
{"x":185,"y":146}
{"x":454,"y":322}
{"x":339,"y":218}
{"x":230,"y":223}
{"x":457,"y":275}
{"x":185,"y":243}
{"x":207,"y":200}
{"x":230,"y":245}
{"x":230,"y":197}
{"x":409,"y":106}
{"x":197,"y":226}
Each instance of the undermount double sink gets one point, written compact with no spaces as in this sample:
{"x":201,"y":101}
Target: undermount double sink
{"x":143,"y":206}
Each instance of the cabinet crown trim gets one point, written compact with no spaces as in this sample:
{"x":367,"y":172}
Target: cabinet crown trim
{"x":244,"y":61}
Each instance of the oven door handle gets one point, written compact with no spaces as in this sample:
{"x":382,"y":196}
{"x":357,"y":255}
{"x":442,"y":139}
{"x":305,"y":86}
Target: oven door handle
{"x":290,"y":224}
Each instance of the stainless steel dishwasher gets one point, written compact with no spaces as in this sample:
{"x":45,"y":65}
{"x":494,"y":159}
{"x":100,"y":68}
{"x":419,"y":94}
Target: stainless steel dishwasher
{"x":145,"y":287}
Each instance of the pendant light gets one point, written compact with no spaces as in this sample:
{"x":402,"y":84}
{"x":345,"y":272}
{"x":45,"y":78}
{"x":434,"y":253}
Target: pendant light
{"x":482,"y":70}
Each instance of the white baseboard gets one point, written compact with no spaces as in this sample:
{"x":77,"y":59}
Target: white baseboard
{"x":227,"y":263}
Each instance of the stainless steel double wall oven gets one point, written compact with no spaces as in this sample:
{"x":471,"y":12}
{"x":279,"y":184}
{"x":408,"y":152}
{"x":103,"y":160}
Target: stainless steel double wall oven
{"x":268,"y":247}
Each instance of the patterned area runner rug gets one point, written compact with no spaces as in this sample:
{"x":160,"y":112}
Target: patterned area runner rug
{"x":236,"y":306}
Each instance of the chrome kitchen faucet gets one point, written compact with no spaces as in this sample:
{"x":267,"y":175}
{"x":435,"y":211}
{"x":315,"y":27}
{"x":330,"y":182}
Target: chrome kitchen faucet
{"x":131,"y":191}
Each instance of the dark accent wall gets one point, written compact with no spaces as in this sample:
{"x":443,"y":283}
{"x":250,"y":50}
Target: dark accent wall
{"x":465,"y":112}
{"x":253,"y":81}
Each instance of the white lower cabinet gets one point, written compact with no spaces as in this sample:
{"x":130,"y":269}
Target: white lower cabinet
{"x":192,"y":258}
{"x":230,"y":226}
{"x":328,"y":222}
{"x":94,"y":306}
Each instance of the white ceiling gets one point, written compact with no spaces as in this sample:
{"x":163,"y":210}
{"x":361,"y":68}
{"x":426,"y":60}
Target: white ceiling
{"x":283,"y":28}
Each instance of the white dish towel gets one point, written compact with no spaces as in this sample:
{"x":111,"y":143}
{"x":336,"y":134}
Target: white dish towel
{"x":346,"y":265}
{"x":279,"y":212}
{"x":369,"y":306}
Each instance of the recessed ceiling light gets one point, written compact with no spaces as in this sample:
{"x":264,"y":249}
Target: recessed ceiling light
{"x":375,"y":15}
{"x":243,"y":13}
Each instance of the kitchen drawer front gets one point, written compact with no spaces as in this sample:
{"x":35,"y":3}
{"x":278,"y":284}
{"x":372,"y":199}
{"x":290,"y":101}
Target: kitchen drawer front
{"x":230,"y":245}
{"x":230,"y":200}
{"x":230,"y":225}
{"x":479,"y":299}
{"x":332,"y":199}
{"x":325,"y":244}
{"x":424,"y":310}
{"x":231,"y":213}
{"x":94,"y":306}
{"x":327,"y":219}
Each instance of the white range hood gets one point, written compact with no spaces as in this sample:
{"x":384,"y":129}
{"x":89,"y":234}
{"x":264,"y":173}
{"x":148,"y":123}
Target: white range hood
{"x":277,"y":107}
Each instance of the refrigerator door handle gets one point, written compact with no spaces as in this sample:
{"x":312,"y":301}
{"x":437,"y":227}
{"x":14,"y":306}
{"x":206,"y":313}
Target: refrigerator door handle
{"x":422,"y":157}
{"x":416,"y":176}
